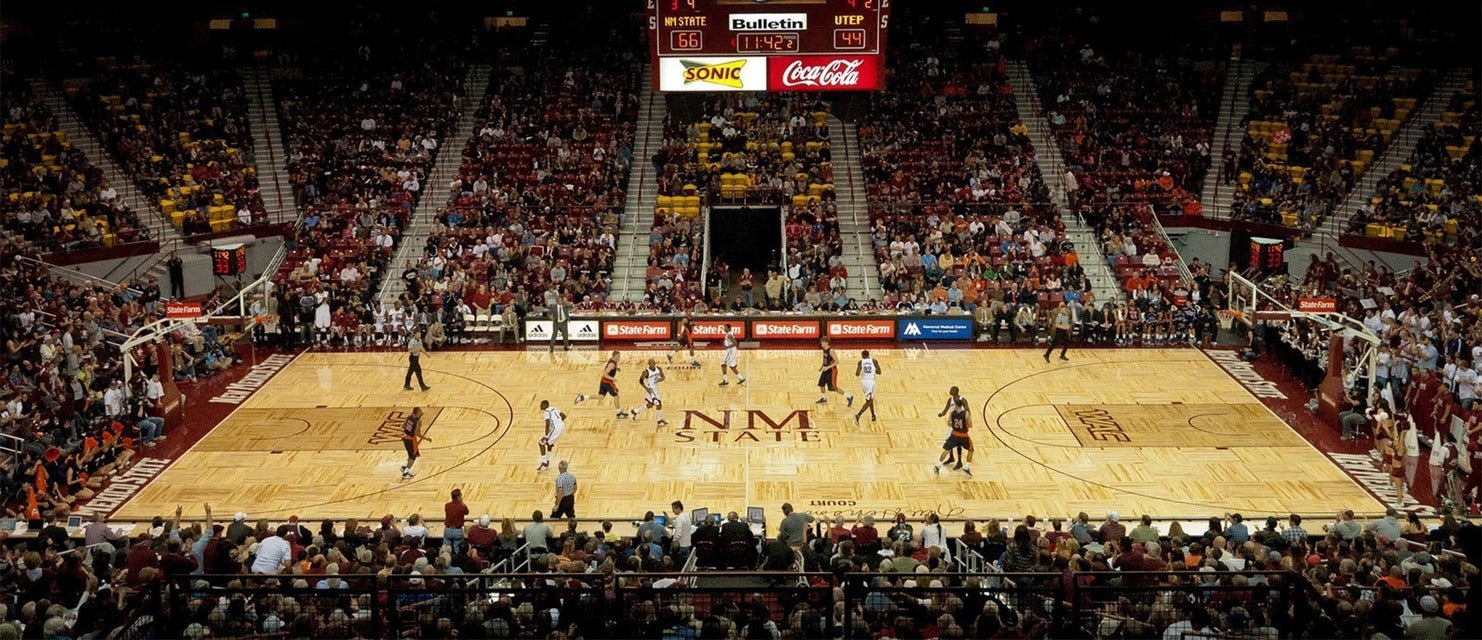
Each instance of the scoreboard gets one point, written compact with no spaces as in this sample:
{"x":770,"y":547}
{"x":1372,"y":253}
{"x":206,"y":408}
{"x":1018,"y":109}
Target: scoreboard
{"x":768,"y":45}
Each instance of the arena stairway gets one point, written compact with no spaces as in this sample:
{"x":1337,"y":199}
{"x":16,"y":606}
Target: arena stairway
{"x":1228,"y":132}
{"x":435,"y":187}
{"x":270,"y":156}
{"x":630,"y":263}
{"x":1051,"y":163}
{"x":854,"y":214}
{"x":1398,"y":152}
{"x":92,"y":147}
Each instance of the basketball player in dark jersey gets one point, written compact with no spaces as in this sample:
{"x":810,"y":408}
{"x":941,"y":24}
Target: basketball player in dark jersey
{"x":413,"y":433}
{"x":954,"y":397}
{"x":828,"y":376}
{"x":959,"y":420}
{"x":685,"y":338}
{"x":607,"y":386}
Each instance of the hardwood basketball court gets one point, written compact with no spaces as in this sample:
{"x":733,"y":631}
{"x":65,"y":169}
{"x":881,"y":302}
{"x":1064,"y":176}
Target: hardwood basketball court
{"x":1162,"y":432}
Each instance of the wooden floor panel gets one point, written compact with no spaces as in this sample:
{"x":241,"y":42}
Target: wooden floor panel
{"x":1163,"y":432}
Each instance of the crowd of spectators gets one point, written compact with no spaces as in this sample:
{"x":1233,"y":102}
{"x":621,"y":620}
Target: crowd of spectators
{"x":65,"y":404}
{"x":362,"y":137}
{"x":534,"y":211}
{"x":182,"y":135}
{"x":750,"y":149}
{"x":1312,"y":131}
{"x":1395,"y":575}
{"x":1134,"y":128}
{"x":1433,"y":198}
{"x":54,"y":197}
{"x":1427,"y":366}
{"x":961,"y":216}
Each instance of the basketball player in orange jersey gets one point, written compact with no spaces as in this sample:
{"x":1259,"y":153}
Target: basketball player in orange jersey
{"x":413,"y":433}
{"x":607,"y":386}
{"x":686,"y":338}
{"x":828,"y":376}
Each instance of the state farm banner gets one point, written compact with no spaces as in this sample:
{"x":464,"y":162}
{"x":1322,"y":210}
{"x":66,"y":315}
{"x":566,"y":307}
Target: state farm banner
{"x":714,"y":329}
{"x":785,"y":329}
{"x":1317,"y":305}
{"x":824,"y":73}
{"x":861,"y":329}
{"x":637,"y":330}
{"x":182,"y":310}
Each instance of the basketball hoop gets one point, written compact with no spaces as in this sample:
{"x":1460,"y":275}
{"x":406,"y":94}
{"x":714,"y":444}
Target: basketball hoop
{"x":1226,"y":317}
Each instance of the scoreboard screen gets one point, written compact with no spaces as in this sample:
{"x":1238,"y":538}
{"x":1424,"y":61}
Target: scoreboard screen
{"x":768,"y":45}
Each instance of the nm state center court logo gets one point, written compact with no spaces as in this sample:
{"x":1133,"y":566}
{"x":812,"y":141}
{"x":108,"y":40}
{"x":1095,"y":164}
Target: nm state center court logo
{"x":748,"y":426}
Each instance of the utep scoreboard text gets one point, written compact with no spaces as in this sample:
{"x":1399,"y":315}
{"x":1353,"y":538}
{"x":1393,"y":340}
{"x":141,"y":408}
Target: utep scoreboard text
{"x":777,"y":45}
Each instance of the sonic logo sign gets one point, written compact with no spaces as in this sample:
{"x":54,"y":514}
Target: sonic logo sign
{"x":785,"y":329}
{"x":944,"y":328}
{"x":713,"y":74}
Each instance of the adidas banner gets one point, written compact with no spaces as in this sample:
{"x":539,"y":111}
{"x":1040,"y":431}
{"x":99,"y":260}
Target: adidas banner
{"x":581,"y":330}
{"x":935,"y":328}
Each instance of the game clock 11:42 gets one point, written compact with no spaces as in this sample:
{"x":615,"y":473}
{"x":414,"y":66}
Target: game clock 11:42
{"x":766,"y":42}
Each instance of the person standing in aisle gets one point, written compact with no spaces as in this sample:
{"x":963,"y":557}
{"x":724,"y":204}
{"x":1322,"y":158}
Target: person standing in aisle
{"x":177,"y":275}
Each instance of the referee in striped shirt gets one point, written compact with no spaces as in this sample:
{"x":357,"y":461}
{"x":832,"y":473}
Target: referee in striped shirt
{"x":565,"y":494}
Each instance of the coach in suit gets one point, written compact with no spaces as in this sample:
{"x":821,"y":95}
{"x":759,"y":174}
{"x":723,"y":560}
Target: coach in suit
{"x":560,"y":314}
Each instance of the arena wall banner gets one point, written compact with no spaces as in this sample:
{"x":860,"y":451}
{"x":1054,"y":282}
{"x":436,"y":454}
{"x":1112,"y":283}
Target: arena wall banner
{"x":788,"y":329}
{"x":934,"y":328}
{"x":711,"y":329}
{"x":1317,"y":305}
{"x":581,"y":330}
{"x":177,"y":310}
{"x":637,"y":330}
{"x":855,"y":329}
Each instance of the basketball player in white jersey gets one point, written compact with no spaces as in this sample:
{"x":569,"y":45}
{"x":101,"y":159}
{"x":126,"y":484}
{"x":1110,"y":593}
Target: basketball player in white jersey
{"x":728,"y":361}
{"x":649,"y":379}
{"x":555,"y":425}
{"x":867,"y":369}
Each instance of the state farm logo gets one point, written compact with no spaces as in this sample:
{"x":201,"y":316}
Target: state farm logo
{"x":836,"y":73}
{"x":861,"y":329}
{"x":712,"y":329}
{"x":773,"y":329}
{"x":635,"y":330}
{"x":725,"y":74}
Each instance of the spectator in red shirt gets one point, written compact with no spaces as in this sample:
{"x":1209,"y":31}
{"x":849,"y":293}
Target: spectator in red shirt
{"x":455,"y":513}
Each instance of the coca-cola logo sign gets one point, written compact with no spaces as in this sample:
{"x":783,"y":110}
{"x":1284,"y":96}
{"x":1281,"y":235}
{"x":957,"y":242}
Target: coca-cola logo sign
{"x":824,"y":73}
{"x":837,"y":73}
